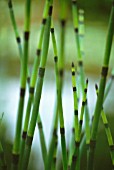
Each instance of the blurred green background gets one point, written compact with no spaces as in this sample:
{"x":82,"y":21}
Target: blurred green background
{"x":96,"y":24}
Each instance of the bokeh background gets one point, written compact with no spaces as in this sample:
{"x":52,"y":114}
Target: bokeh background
{"x":96,"y":24}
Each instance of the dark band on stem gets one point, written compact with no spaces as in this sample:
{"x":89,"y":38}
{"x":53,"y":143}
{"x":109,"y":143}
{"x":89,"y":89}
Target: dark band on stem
{"x":61,"y":72}
{"x":92,"y":143}
{"x":41,"y":72}
{"x":10,"y":4}
{"x":52,"y":30}
{"x":26,"y":35}
{"x":56,"y":143}
{"x":74,"y":1}
{"x":77,"y":144}
{"x":85,"y":90}
{"x":28,"y":80}
{"x":74,"y":158}
{"x":18,"y":40}
{"x":54,"y":160}
{"x":55,"y":133}
{"x":50,"y":10}
{"x":22,"y":92}
{"x":15,"y":158}
{"x":112,"y":147}
{"x":38,"y":52}
{"x":106,"y":125}
{"x":62,"y":131}
{"x":74,"y":89}
{"x":56,"y":59}
{"x":40,"y":125}
{"x":29,"y":140}
{"x":73,"y":73}
{"x":80,"y":63}
{"x":73,"y":130}
{"x":24,"y":135}
{"x":63,"y":22}
{"x":44,"y":21}
{"x":81,"y":122}
{"x":104,"y":71}
{"x":76,"y":112}
{"x":31,"y":90}
{"x":76,"y":30}
{"x":83,"y":103}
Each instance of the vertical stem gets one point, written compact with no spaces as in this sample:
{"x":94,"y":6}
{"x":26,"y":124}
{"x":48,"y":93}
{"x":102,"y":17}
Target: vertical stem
{"x":33,"y":80}
{"x":37,"y":96}
{"x":23,"y":78}
{"x":99,"y":102}
{"x":3,"y":165}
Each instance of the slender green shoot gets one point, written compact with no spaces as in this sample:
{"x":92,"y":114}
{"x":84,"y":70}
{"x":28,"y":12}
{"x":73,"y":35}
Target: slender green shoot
{"x":42,"y":139}
{"x":108,"y":131}
{"x":79,"y":130}
{"x":23,"y":78}
{"x":100,"y":97}
{"x":33,"y":79}
{"x":17,"y":36}
{"x":38,"y":92}
{"x":75,"y":127}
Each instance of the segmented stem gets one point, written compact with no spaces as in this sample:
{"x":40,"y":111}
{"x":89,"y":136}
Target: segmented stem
{"x":99,"y":102}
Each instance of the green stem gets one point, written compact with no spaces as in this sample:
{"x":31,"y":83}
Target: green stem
{"x":3,"y":165}
{"x":23,"y":78}
{"x":33,"y":80}
{"x":99,"y":102}
{"x":38,"y":92}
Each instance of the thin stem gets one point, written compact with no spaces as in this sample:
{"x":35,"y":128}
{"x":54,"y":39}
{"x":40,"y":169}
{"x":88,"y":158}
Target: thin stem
{"x":33,"y":79}
{"x":79,"y":130}
{"x":99,"y":102}
{"x":107,"y":130}
{"x":23,"y":78}
{"x":17,"y":36}
{"x":3,"y":165}
{"x":42,"y":139}
{"x":38,"y":92}
{"x":75,"y":129}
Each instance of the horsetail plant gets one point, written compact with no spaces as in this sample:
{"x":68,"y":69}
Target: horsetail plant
{"x":15,"y":27}
{"x":75,"y":123}
{"x":23,"y":78}
{"x":37,"y":96}
{"x":108,"y":131}
{"x":22,"y":145}
{"x":59,"y":103}
{"x":100,"y":97}
{"x":79,"y":129}
{"x":51,"y":159}
{"x":33,"y":79}
{"x":76,"y":30}
{"x":42,"y":139}
{"x":14,"y":24}
{"x":63,"y":12}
